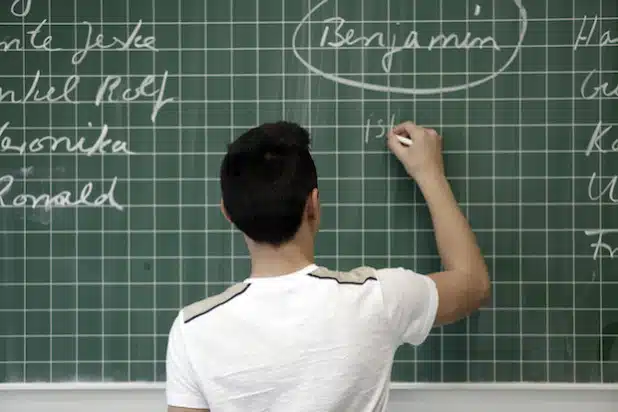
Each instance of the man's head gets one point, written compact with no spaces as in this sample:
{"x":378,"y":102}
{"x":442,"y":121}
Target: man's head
{"x":269,"y":184}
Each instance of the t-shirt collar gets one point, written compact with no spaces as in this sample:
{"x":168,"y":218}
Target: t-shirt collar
{"x":279,"y":278}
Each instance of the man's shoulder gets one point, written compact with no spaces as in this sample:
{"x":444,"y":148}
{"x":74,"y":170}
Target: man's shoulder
{"x":357,"y":276}
{"x":210,"y":303}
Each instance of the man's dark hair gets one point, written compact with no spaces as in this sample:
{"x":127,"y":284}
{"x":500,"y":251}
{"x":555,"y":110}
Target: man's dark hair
{"x":266,"y":177}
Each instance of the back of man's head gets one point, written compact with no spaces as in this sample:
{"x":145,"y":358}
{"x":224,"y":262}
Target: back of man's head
{"x":266,"y":178}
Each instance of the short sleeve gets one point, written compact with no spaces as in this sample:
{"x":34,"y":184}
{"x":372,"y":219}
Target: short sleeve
{"x":182,"y":388}
{"x":411,"y":303}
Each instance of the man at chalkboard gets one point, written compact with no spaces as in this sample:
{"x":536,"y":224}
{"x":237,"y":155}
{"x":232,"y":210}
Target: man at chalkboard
{"x":293,"y":336}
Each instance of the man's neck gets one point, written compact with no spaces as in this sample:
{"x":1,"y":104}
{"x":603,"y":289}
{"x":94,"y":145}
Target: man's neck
{"x":267,"y":261}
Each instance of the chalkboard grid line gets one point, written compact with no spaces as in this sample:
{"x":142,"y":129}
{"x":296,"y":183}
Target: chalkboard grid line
{"x":129,"y":334}
{"x":257,"y":59}
{"x":325,"y":126}
{"x":36,"y":284}
{"x":349,"y":256}
{"x":547,"y":297}
{"x":24,"y":243}
{"x":51,"y":221}
{"x":337,"y":108}
{"x":175,"y":309}
{"x":414,"y":208}
{"x":316,"y":154}
{"x":520,"y":210}
{"x":393,"y":72}
{"x":322,"y":153}
{"x":284,"y":75}
{"x":232,"y":136}
{"x":446,"y":362}
{"x":573,"y":241}
{"x":76,"y":220}
{"x":363,"y":55}
{"x":503,"y":47}
{"x":200,"y":103}
{"x":441,"y":120}
{"x":493,"y":180}
{"x":293,"y":22}
{"x":311,"y":48}
{"x":302,"y":75}
{"x":103,"y":257}
{"x":359,"y":257}
{"x":180,"y":168}
{"x":325,"y":230}
{"x":600,"y":170}
{"x":480,"y":178}
{"x":206,"y":158}
{"x":154,"y":214}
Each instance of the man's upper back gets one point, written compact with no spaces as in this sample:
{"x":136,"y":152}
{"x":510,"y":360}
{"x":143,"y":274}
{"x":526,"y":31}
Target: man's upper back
{"x":313,"y":340}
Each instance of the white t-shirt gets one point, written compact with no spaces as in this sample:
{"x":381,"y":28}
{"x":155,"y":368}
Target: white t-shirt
{"x":309,"y":341}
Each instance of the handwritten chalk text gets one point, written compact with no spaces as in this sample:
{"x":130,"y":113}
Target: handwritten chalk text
{"x":49,"y":94}
{"x":338,"y":37}
{"x":596,"y":141}
{"x":135,"y":41}
{"x":606,"y":38}
{"x":17,"y":44}
{"x":61,"y":199}
{"x":609,"y":189}
{"x":600,"y":244}
{"x":55,"y":143}
{"x":602,"y":89}
{"x":108,"y":92}
{"x":21,"y":8}
{"x":379,"y":128}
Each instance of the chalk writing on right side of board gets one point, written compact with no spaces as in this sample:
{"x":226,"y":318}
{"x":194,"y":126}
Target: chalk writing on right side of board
{"x":584,"y":37}
{"x":609,"y":189}
{"x":598,"y":138}
{"x":603,"y":142}
{"x":603,"y":89}
{"x":600,"y":244}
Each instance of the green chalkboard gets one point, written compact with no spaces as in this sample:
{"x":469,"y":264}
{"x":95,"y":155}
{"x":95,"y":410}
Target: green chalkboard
{"x":114,"y":117}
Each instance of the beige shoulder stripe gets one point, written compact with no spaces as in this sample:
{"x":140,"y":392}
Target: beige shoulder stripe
{"x":204,"y":306}
{"x":358,"y":276}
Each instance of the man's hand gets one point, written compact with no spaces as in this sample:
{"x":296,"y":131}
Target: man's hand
{"x":424,"y":156}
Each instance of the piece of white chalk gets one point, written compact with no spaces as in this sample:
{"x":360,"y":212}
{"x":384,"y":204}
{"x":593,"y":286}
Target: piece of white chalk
{"x":404,"y":140}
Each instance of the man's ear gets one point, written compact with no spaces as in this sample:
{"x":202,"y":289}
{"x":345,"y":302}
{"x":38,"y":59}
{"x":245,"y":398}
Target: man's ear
{"x":227,"y":217}
{"x":313,"y":204}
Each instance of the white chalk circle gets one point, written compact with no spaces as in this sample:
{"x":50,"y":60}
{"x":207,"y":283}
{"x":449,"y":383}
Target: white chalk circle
{"x":408,"y":90}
